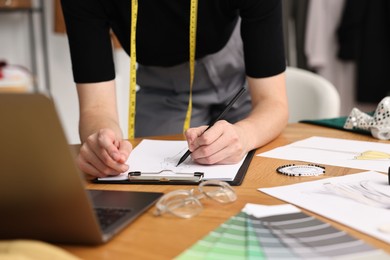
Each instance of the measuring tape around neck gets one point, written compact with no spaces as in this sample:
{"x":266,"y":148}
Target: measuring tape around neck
{"x":133,"y":64}
{"x":193,"y":21}
{"x":133,"y":69}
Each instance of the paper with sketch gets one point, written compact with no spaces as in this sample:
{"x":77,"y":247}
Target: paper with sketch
{"x":338,"y":152}
{"x":158,"y":155}
{"x":354,"y":211}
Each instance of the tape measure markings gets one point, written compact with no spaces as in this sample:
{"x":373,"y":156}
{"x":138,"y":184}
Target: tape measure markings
{"x":133,"y":69}
{"x":133,"y":64}
{"x":192,"y":41}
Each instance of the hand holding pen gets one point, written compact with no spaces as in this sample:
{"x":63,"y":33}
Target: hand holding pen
{"x":227,"y":108}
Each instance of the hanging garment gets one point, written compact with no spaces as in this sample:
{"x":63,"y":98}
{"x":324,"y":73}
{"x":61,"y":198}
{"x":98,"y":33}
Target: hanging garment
{"x":321,"y":49}
{"x":364,"y":37}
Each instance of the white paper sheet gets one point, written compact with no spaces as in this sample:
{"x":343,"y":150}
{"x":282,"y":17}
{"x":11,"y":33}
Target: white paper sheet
{"x":333,"y":151}
{"x":261,"y":211}
{"x":158,"y":155}
{"x":360,"y":216}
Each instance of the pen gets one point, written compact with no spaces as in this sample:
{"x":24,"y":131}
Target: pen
{"x":228,"y":106}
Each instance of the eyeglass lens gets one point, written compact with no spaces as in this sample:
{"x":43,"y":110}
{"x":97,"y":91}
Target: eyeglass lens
{"x":219,"y":191}
{"x":185,"y":204}
{"x":181,"y":203}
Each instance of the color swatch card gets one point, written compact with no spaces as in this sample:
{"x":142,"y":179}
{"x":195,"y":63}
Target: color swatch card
{"x":279,"y":232}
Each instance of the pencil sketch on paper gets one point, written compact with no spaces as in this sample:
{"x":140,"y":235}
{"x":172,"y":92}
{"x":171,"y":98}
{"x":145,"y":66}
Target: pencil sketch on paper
{"x":362,"y":192}
{"x":373,"y":155}
{"x":170,"y":162}
{"x":367,"y":155}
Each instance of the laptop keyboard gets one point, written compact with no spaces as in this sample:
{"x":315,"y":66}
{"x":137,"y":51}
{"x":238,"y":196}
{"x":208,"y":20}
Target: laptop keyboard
{"x":108,"y":216}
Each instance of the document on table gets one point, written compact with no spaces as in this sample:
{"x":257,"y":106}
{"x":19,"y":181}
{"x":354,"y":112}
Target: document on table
{"x":154,"y":156}
{"x":360,"y":201}
{"x":337,"y":152}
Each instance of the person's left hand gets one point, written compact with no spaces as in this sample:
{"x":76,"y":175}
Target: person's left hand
{"x":223,"y":143}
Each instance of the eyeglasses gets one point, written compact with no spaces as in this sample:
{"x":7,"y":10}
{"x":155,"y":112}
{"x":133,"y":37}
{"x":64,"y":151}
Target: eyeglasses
{"x":186,"y":204}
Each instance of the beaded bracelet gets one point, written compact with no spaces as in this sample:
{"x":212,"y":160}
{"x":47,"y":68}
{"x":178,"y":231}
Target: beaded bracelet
{"x":301,"y":170}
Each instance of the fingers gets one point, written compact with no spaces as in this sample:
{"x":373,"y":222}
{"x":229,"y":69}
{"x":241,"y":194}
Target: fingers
{"x":221,"y":144}
{"x":104,"y":155}
{"x":125,"y":148}
{"x":192,"y":135}
{"x":107,"y":142}
{"x":88,"y":168}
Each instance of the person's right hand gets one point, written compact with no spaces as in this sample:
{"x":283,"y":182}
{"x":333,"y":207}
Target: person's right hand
{"x":104,"y":154}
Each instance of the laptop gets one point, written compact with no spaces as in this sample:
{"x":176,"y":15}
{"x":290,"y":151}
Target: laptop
{"x":42,"y":193}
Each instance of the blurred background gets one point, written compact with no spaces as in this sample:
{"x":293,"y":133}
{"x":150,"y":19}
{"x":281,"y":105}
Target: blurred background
{"x":345,"y":41}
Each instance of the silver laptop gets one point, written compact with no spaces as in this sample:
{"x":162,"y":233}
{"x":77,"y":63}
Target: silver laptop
{"x":42,"y":193}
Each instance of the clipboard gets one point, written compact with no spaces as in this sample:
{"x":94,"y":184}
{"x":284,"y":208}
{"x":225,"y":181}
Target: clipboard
{"x":167,"y":178}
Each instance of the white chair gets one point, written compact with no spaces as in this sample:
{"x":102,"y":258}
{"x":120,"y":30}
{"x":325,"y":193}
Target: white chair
{"x":310,"y":96}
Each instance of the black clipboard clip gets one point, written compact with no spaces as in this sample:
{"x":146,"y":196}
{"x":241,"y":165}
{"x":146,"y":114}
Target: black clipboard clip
{"x":165,"y":176}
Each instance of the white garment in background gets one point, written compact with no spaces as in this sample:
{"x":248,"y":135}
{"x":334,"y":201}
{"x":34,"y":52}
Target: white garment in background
{"x":321,"y":48}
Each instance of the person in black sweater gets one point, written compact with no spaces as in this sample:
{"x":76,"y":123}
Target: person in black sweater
{"x":239,"y":43}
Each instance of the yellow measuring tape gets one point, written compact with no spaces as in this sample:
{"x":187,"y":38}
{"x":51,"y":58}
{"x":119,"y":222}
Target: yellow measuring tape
{"x":133,"y":64}
{"x":193,"y":16}
{"x":133,"y":69}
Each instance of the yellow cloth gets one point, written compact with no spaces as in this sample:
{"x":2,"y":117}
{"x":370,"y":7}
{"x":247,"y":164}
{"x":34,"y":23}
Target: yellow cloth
{"x":32,"y":250}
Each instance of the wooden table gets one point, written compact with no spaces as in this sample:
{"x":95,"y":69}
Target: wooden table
{"x":165,"y":237}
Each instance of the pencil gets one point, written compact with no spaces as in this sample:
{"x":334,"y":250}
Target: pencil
{"x":227,"y":108}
